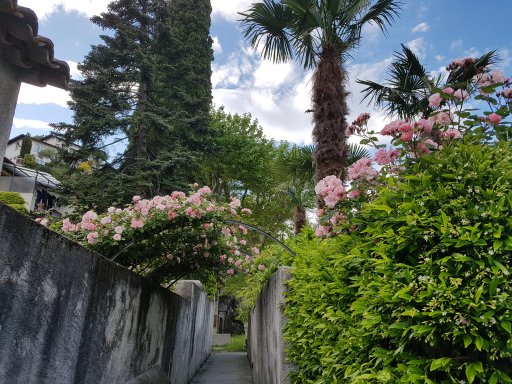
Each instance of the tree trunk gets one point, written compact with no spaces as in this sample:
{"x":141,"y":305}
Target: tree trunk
{"x":329,"y":117}
{"x":300,"y":218}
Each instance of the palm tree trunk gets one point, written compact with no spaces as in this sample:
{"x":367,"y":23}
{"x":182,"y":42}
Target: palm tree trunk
{"x":299,"y":218}
{"x":329,"y":117}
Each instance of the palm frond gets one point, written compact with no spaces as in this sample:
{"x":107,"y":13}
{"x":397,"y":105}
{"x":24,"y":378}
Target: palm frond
{"x":295,"y":164}
{"x":407,"y":88}
{"x":462,"y":75}
{"x":356,"y":152}
{"x":266,"y":23}
{"x":382,"y":13}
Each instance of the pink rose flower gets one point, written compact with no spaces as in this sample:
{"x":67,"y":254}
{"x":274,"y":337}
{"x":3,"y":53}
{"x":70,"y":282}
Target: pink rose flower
{"x":354,"y":193}
{"x":442,"y":118}
{"x":91,"y":237}
{"x":137,"y":224}
{"x":460,"y":94}
{"x":448,"y":90}
{"x":407,"y":136}
{"x":494,"y":118}
{"x":261,"y":267}
{"x":507,"y":92}
{"x":117,"y":237}
{"x":435,"y":100}
{"x":425,"y":125}
{"x":119,"y":229}
{"x":452,"y":134}
{"x":322,"y":230}
{"x":230,"y":272}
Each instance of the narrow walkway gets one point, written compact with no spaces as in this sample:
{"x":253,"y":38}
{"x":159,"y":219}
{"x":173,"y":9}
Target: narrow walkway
{"x":225,"y":368}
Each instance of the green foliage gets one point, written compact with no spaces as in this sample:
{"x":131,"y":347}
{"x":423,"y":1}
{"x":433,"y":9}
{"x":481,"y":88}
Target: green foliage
{"x":20,"y":208}
{"x":11,"y":198}
{"x":420,"y":291}
{"x":29,"y":161}
{"x":26,"y":145}
{"x":238,"y":344}
{"x":14,"y":200}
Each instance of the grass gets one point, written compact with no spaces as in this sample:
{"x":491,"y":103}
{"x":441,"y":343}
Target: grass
{"x":238,"y":344}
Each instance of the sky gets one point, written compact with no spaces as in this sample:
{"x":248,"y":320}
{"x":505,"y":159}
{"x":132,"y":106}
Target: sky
{"x":278,"y":95}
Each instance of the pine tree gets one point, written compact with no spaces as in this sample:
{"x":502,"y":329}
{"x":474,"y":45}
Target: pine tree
{"x":147,"y":85}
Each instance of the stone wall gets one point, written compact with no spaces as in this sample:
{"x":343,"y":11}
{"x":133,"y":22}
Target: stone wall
{"x":266,"y":349}
{"x":68,"y":315}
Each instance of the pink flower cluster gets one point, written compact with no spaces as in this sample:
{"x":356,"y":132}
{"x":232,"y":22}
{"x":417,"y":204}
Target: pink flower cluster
{"x":118,"y":225}
{"x":362,"y":169}
{"x":331,"y":189}
{"x":383,"y":157}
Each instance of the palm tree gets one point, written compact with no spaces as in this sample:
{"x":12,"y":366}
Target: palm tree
{"x":409,"y":85}
{"x":319,"y":34}
{"x":294,"y":170}
{"x":407,"y":90}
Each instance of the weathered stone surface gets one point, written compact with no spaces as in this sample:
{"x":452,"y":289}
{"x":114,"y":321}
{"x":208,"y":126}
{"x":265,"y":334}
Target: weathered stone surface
{"x":68,"y":315}
{"x":155,"y":375}
{"x":266,"y":348}
{"x":9,"y":89}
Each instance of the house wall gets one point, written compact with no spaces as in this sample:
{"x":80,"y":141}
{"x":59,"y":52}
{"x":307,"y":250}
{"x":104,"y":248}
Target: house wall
{"x":70,"y":316}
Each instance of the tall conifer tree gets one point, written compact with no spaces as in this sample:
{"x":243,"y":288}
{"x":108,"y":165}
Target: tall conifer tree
{"x":148,"y":84}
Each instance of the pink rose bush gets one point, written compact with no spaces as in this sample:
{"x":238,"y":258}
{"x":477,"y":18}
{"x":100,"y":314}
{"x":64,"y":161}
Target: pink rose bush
{"x":169,"y":236}
{"x":453,"y":118}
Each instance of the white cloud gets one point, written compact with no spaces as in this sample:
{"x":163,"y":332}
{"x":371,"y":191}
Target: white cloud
{"x":217,"y":47}
{"x":270,"y":75}
{"x":418,"y":46}
{"x":279,"y":95}
{"x":472,"y":52}
{"x":421,"y":27}
{"x":73,"y":70}
{"x":456,"y":44}
{"x":30,"y":94}
{"x":30,"y":124}
{"x":44,"y":8}
{"x":228,"y":9}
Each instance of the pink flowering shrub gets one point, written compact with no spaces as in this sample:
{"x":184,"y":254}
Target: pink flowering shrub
{"x":168,"y":236}
{"x":452,"y":119}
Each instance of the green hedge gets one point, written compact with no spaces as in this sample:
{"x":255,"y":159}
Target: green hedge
{"x":421,"y":293}
{"x":11,"y":198}
{"x":20,"y":208}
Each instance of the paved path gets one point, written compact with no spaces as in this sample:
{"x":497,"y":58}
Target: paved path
{"x":225,"y":368}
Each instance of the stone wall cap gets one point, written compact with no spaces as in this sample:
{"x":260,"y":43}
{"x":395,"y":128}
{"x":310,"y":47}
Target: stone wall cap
{"x":24,"y":49}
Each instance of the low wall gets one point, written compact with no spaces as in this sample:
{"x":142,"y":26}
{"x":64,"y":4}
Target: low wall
{"x":266,"y":347}
{"x":68,"y":315}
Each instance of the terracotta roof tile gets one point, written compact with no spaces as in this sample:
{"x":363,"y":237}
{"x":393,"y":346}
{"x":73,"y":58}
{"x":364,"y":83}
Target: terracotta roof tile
{"x":30,"y":53}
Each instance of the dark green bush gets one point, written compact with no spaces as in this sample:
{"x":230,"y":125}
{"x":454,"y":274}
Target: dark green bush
{"x":11,"y":198}
{"x":421,"y":292}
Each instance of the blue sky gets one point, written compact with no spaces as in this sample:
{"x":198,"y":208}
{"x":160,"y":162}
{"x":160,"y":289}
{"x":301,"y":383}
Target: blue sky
{"x":277,"y":95}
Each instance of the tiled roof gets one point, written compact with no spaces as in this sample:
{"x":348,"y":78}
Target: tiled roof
{"x":30,"y":53}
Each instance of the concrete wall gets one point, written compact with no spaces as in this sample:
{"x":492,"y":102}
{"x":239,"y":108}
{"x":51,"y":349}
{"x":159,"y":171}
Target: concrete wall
{"x":68,"y":315}
{"x":9,"y":89}
{"x":266,"y":348}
